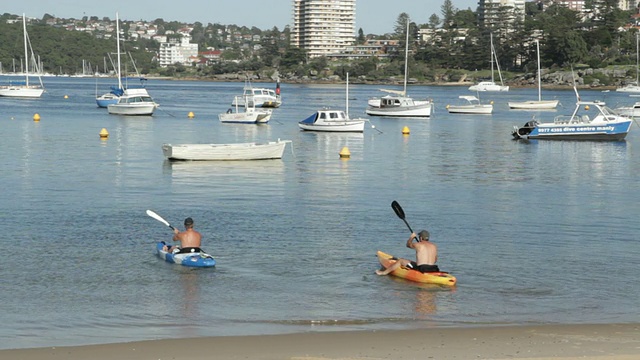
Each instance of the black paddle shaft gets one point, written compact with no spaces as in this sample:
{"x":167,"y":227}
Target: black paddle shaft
{"x":398,"y":210}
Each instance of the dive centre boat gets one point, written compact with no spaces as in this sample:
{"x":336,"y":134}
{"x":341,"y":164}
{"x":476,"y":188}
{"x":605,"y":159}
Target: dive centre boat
{"x":591,"y":120}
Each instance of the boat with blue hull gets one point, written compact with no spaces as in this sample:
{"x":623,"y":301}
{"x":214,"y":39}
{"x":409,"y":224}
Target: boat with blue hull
{"x":591,"y":120}
{"x":190,"y":259}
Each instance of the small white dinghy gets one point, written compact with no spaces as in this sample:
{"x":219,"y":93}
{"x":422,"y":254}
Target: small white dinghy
{"x":225,"y":152}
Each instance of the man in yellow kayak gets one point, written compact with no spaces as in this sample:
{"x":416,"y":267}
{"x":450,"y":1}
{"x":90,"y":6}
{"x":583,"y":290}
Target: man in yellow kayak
{"x":426,"y":255}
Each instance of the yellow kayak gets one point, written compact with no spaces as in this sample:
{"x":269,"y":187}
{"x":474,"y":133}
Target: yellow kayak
{"x":440,"y":278}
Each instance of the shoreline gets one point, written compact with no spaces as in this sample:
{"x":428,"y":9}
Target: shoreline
{"x":557,"y":341}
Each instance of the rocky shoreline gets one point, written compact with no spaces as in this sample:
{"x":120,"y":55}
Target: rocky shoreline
{"x":587,"y":78}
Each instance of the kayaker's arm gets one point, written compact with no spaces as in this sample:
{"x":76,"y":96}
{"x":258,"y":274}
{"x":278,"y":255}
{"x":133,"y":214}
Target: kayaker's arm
{"x":176,"y":232}
{"x":410,"y":241}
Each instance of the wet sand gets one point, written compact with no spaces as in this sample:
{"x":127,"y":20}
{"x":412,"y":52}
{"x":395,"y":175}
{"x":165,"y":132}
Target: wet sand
{"x":567,"y":342}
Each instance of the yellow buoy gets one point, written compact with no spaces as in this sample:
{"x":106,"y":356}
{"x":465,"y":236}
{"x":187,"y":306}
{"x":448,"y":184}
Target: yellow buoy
{"x":104,"y":133}
{"x":344,"y":153}
{"x":66,"y":96}
{"x":586,"y":107}
{"x":405,"y":130}
{"x":36,"y":117}
{"x":191,"y":115}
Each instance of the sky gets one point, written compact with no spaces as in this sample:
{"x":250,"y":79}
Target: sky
{"x":373,"y":16}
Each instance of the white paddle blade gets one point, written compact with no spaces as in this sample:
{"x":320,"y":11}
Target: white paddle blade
{"x":158,"y":217}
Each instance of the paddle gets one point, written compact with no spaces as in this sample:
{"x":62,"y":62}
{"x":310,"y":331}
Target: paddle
{"x":159,"y":218}
{"x":398,"y":210}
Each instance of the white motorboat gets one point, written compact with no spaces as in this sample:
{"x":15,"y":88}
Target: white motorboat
{"x":134,"y":101}
{"x":259,"y":97}
{"x":399,"y":104}
{"x":473,"y":106}
{"x":245,"y":115}
{"x":630,"y":111}
{"x":535,"y":104}
{"x":333,"y":120}
{"x":224,"y":152}
{"x":491,"y":85}
{"x":23,"y":89}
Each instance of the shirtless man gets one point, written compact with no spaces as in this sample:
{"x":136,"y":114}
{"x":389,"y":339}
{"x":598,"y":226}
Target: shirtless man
{"x":190,"y":240}
{"x":426,"y":255}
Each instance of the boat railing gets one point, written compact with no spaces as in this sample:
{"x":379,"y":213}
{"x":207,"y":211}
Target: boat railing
{"x":571,"y":119}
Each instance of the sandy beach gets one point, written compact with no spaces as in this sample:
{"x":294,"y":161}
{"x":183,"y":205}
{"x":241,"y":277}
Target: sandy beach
{"x":567,"y":342}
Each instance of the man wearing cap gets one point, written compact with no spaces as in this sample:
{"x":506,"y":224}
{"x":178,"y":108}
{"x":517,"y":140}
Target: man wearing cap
{"x":426,"y":255}
{"x":190,"y":240}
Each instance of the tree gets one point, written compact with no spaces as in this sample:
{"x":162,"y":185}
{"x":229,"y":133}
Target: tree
{"x":434,"y":22}
{"x":447,"y":11}
{"x":361,"y":39}
{"x":400,"y":29}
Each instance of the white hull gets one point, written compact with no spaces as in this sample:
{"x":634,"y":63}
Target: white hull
{"x":224,"y":152}
{"x":473,"y":107}
{"x":21,"y":91}
{"x":245,"y":118}
{"x":629,"y":89}
{"x":355,"y":125}
{"x":133,"y":102}
{"x":470,"y":109}
{"x":631,"y":111}
{"x":250,"y":115}
{"x":408,"y":109}
{"x":533,"y":104}
{"x":132,"y":109}
{"x":488,"y":86}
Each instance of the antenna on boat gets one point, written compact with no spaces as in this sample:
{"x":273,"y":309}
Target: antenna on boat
{"x":575,"y":89}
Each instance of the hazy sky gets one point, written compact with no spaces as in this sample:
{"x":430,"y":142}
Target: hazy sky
{"x":373,"y":16}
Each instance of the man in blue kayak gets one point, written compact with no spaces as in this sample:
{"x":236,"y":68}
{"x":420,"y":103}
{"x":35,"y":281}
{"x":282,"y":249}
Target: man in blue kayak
{"x":426,"y":255}
{"x":190,"y":240}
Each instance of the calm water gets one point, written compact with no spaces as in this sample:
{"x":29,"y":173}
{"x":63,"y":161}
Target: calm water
{"x":539,"y":232}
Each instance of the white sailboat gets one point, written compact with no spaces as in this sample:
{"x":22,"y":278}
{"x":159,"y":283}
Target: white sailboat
{"x":634,"y":87}
{"x":112,"y":96}
{"x":491,"y":85}
{"x":535,"y":104}
{"x":399,"y":104}
{"x":133,"y":100}
{"x":24,"y":89}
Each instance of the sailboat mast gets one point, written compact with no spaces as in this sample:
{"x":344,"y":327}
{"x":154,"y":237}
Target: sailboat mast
{"x":493,"y":53}
{"x":26,"y":54}
{"x":406,"y":59}
{"x":539,"y":80}
{"x":637,"y":60}
{"x":347,"y":97}
{"x":118,"y":48}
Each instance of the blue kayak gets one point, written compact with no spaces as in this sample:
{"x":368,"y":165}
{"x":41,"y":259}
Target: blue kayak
{"x":192,"y":259}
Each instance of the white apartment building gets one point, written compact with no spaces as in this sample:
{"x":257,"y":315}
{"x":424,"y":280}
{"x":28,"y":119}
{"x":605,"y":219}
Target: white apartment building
{"x":580,"y":5}
{"x":173,"y":52}
{"x":323,"y":27}
{"x":490,"y":11}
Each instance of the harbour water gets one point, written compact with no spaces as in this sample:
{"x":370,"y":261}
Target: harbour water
{"x":535,"y":232}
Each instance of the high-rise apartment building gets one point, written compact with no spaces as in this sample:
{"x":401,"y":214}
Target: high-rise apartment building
{"x":323,"y":27}
{"x":492,"y":11}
